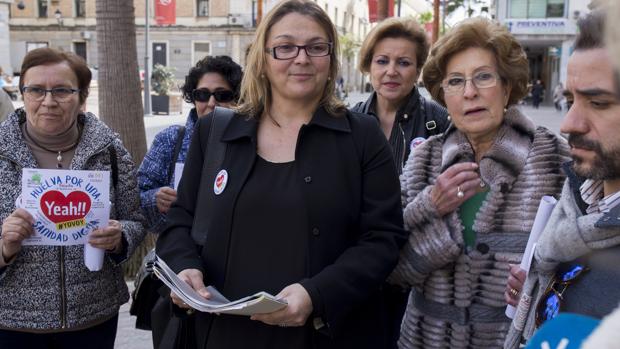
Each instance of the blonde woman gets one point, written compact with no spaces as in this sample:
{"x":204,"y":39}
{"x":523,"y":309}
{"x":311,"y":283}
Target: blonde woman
{"x":311,"y":208}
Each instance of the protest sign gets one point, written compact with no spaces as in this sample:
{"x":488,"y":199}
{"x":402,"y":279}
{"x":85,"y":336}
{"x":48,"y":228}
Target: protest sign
{"x":66,"y":204}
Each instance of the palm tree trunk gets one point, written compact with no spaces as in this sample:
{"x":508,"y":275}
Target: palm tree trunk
{"x":120,"y":102}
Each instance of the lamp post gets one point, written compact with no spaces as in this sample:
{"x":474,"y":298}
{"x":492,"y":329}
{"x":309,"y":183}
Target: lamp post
{"x":147,"y":75}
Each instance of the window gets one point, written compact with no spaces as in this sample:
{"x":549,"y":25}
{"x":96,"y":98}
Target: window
{"x":80,"y":8}
{"x":202,"y":8}
{"x":201,"y":49}
{"x":33,"y":45}
{"x":80,"y":49}
{"x":336,"y":16}
{"x":42,"y":5}
{"x":537,"y":8}
{"x":555,"y":8}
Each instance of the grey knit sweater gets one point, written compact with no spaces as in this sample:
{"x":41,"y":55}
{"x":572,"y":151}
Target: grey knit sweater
{"x":48,"y":288}
{"x":457,"y":298}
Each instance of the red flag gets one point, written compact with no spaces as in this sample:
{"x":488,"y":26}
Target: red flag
{"x":373,"y":10}
{"x":165,"y":12}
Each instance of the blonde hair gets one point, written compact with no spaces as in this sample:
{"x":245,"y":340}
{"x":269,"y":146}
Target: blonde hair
{"x":512,"y":65}
{"x":255,"y":95}
{"x":406,"y":28}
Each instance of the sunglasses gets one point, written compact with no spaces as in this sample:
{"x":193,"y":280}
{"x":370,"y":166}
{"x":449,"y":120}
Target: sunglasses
{"x":550,"y":303}
{"x":222,"y":96}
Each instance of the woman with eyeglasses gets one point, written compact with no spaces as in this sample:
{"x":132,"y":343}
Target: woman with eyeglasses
{"x":471,"y":194}
{"x":309,"y":209}
{"x":214,"y":81}
{"x":49,"y":297}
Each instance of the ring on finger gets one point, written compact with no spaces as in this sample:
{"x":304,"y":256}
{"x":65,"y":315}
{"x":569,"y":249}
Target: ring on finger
{"x":514,"y":292}
{"x":459,"y":192}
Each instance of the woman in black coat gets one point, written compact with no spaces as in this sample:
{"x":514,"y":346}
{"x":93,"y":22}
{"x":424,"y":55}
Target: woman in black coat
{"x":310,"y":205}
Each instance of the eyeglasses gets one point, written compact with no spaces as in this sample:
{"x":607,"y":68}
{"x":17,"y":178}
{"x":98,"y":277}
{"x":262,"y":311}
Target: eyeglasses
{"x":456,"y":84}
{"x":222,"y":96}
{"x":550,"y":303}
{"x":59,"y":94}
{"x":318,"y":49}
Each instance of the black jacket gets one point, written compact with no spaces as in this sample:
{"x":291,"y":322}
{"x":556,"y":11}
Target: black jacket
{"x":418,"y":118}
{"x":352,"y":199}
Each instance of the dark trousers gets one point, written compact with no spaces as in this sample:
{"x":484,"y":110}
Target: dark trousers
{"x":97,"y":337}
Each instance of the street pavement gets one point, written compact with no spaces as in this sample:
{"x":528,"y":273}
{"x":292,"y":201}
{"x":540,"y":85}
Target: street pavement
{"x":128,"y":337}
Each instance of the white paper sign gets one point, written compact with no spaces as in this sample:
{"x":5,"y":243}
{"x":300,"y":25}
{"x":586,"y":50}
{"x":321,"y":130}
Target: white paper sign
{"x":547,"y":203}
{"x":178,"y":172}
{"x":66,"y":205}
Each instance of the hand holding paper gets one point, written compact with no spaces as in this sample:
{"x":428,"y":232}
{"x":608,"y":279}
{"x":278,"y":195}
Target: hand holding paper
{"x":214,"y":302}
{"x":94,"y":254}
{"x":193,"y":277}
{"x":108,"y":238}
{"x":547,"y":203}
{"x":295,"y":314}
{"x":16,"y":228}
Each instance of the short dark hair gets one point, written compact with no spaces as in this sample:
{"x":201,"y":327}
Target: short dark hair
{"x":395,"y":28}
{"x":222,"y":65}
{"x":47,"y":56}
{"x":591,"y":31}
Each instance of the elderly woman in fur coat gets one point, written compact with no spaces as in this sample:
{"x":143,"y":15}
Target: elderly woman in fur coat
{"x":471,"y":194}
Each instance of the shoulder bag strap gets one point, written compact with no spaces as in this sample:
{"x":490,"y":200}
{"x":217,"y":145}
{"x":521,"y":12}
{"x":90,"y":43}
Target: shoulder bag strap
{"x":175,"y":154}
{"x":216,"y":150}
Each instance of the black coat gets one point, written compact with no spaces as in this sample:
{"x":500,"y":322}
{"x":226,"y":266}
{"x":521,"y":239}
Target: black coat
{"x":352,"y":199}
{"x":417,"y":119}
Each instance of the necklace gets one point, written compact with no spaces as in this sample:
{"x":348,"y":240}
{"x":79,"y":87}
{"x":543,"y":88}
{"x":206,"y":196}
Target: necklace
{"x":58,"y":152}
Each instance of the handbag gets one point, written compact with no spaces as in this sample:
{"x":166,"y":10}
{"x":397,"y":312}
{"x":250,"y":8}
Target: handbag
{"x":151,"y":302}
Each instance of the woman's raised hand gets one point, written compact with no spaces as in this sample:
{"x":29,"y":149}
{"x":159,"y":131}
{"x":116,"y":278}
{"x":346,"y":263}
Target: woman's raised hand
{"x":15,"y":228}
{"x":455,"y":185}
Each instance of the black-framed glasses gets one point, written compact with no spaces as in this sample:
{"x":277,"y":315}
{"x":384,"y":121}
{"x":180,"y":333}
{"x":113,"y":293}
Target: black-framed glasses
{"x":456,"y":84}
{"x":550,"y":303}
{"x":289,"y":51}
{"x":59,"y":94}
{"x":222,"y":96}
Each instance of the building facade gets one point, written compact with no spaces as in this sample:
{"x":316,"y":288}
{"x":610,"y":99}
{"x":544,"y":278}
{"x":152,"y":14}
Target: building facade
{"x":546,"y":29}
{"x":202,"y":28}
{"x":5,"y":42}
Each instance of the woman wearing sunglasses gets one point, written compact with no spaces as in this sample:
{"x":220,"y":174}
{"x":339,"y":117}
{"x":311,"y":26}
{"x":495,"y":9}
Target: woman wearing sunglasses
{"x":214,"y":81}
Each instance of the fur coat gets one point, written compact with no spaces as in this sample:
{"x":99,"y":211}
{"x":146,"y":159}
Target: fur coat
{"x":48,"y":288}
{"x":457,"y":296}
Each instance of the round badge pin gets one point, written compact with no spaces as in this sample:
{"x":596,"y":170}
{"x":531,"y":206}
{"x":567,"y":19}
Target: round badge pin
{"x":416,"y":141}
{"x":220,"y":182}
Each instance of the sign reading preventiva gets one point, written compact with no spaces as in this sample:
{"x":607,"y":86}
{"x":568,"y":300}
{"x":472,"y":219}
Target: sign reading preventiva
{"x":541,"y":26}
